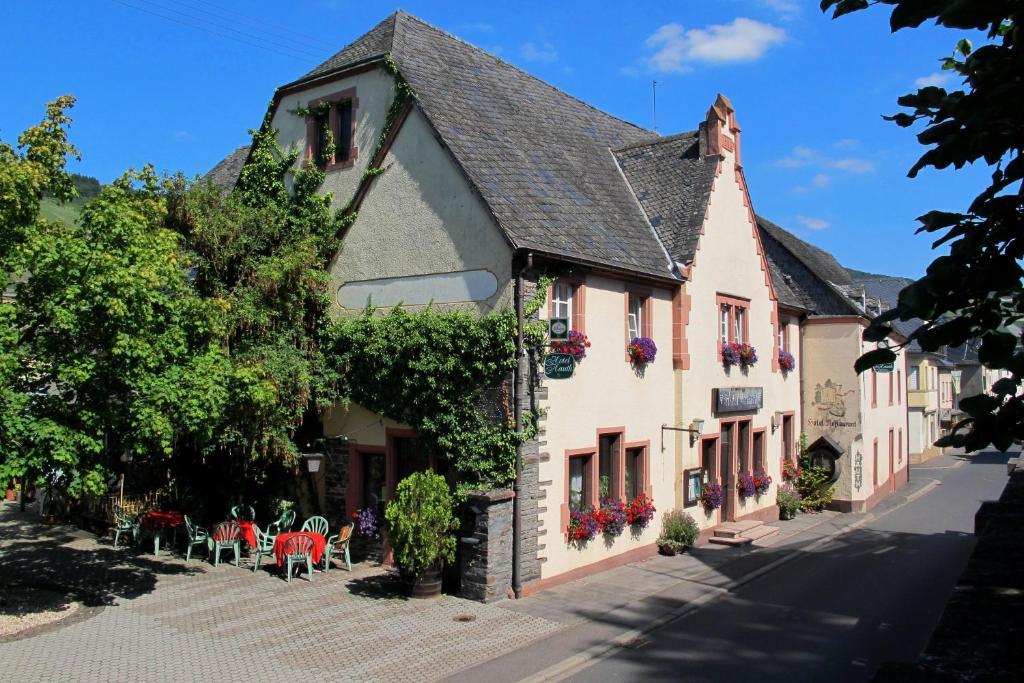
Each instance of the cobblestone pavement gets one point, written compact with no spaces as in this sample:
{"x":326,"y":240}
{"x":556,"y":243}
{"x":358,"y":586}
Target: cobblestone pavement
{"x":158,"y":619}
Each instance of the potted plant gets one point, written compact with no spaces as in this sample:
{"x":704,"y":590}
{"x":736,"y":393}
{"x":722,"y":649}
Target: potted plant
{"x":640,"y":512}
{"x":786,"y":361}
{"x":611,"y":517}
{"x":575,"y":345}
{"x":746,"y":486}
{"x":678,"y":532}
{"x":762,"y":482}
{"x":583,"y":527}
{"x":788,"y":500}
{"x":419,"y":524}
{"x":711,"y":497}
{"x":642,"y":351}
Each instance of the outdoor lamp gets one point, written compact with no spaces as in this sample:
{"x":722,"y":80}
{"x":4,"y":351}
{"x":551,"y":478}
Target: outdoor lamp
{"x":776,"y":420}
{"x":696,"y":429}
{"x":313,"y":461}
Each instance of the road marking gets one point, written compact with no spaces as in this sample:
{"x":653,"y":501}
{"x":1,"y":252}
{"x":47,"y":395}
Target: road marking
{"x":569,"y":666}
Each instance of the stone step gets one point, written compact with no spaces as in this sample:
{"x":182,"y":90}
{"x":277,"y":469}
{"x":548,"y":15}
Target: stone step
{"x":730,"y":540}
{"x":760,"y":532}
{"x":735,"y":529}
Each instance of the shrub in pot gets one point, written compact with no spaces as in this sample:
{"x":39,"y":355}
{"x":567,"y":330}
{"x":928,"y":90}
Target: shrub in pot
{"x":788,"y":500}
{"x":419,"y":524}
{"x":678,"y":531}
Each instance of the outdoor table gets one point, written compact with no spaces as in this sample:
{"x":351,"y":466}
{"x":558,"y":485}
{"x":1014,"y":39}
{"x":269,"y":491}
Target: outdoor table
{"x":319,"y":544}
{"x":248,"y":532}
{"x":157,"y":522}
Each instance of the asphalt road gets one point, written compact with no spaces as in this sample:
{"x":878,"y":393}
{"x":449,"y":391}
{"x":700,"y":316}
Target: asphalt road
{"x":835,"y":614}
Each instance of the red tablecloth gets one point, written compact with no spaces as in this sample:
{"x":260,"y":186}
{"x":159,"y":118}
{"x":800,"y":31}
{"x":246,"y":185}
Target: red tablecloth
{"x":319,"y":543}
{"x":248,"y":532}
{"x":156,"y":521}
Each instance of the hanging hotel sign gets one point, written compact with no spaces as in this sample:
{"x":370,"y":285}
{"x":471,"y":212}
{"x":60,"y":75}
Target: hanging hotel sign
{"x":884,"y":367}
{"x":558,"y":328}
{"x":559,"y":365}
{"x":736,"y":399}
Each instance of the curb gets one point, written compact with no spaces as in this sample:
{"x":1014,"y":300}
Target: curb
{"x":576,"y":663}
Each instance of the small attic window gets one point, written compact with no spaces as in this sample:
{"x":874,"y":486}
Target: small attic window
{"x":332,"y":119}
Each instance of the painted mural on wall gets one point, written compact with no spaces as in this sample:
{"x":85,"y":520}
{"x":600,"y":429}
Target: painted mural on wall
{"x":830,"y":403}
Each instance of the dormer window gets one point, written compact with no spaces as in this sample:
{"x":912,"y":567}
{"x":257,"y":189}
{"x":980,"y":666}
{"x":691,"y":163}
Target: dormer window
{"x":330,"y":130}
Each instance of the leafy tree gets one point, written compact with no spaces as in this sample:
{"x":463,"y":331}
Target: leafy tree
{"x":974,"y":291}
{"x":263,"y":249}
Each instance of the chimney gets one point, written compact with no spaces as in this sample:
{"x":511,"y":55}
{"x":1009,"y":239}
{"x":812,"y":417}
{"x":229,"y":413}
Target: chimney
{"x":719,"y":132}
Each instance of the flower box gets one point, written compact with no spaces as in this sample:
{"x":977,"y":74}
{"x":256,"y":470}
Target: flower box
{"x":642,"y":350}
{"x":743,"y":355}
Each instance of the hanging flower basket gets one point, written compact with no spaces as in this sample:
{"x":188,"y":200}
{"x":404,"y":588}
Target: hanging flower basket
{"x":743,"y":355}
{"x":611,"y":517}
{"x":746,"y":486}
{"x":786,"y":361}
{"x":583,"y":526}
{"x":576,"y":345}
{"x":640,"y":512}
{"x":642,"y":351}
{"x":711,"y":497}
{"x":762,"y":482}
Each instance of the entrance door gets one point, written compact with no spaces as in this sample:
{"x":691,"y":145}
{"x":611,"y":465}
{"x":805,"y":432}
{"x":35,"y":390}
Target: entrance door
{"x":727,"y":471}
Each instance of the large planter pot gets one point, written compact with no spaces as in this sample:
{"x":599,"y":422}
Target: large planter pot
{"x":671,"y":549}
{"x":426,"y":585}
{"x":786,"y":514}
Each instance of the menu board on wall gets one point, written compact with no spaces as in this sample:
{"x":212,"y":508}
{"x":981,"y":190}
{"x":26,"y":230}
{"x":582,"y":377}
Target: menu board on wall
{"x":738,"y":399}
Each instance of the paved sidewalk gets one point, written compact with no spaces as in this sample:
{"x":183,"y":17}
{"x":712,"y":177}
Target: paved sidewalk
{"x":160,"y":620}
{"x":616,"y":607}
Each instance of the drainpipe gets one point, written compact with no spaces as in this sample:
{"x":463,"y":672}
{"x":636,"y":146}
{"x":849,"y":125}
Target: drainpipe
{"x":517,"y":411}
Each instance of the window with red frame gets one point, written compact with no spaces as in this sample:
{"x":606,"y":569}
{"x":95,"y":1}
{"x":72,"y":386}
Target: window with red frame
{"x":581,"y":470}
{"x":332,"y":121}
{"x":733,"y":320}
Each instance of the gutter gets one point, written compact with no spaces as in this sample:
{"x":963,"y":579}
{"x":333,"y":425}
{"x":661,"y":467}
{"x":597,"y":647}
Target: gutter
{"x":517,"y":412}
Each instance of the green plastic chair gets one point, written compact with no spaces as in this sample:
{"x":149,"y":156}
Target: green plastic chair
{"x":284,"y":521}
{"x":298,"y":550}
{"x":245,"y":512}
{"x":225,"y":535}
{"x":318,"y":525}
{"x":196,"y":536}
{"x":264,"y":545}
{"x":338,"y":545}
{"x":125,"y":524}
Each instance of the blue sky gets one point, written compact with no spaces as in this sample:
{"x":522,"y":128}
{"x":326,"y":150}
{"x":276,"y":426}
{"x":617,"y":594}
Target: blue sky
{"x":178,"y":83}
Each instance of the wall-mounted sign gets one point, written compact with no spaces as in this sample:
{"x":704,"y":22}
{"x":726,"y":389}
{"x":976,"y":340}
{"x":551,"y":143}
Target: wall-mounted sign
{"x":559,"y":365}
{"x":558,"y":328}
{"x":735,"y":399}
{"x":884,"y":367}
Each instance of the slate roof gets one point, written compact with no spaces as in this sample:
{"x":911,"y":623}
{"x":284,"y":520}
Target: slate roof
{"x":540,"y":158}
{"x":803,"y":275}
{"x":673,"y":184}
{"x":887,"y":290}
{"x":225,"y":173}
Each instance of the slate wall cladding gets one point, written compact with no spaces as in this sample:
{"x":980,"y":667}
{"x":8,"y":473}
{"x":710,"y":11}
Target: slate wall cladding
{"x":486,"y":552}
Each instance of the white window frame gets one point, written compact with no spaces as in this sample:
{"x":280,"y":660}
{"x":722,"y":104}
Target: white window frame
{"x":561,"y":301}
{"x":635,"y":316}
{"x":739,"y":318}
{"x":724,"y":316}
{"x":913,"y":378}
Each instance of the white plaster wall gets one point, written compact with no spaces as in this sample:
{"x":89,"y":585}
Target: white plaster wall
{"x":877,"y":422}
{"x":728,"y":262}
{"x":606,"y":392}
{"x":421,"y":216}
{"x":917,"y":431}
{"x":374,"y":91}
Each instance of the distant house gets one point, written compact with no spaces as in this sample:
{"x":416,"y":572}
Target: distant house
{"x":492,"y":176}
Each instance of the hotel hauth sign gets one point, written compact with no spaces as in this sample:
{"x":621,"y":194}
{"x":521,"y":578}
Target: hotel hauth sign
{"x":738,"y":399}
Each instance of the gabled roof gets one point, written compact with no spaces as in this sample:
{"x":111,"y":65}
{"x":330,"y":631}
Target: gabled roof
{"x":673,"y":184}
{"x":225,"y":174}
{"x":887,"y":290}
{"x":540,"y":158}
{"x":803,"y":274}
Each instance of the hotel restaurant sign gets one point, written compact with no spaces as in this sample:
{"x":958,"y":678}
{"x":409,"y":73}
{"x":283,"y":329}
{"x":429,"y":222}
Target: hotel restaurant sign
{"x":738,"y":399}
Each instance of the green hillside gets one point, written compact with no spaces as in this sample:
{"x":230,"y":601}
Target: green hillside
{"x":53,"y":210}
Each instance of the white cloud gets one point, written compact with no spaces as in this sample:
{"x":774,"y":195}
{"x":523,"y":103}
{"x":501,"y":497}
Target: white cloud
{"x":630,"y":71}
{"x":183,"y":135}
{"x":743,"y":40}
{"x":787,"y":9}
{"x":846,"y":144}
{"x":802,"y":157}
{"x":477,"y":27}
{"x":822,"y":180}
{"x":812,"y":223}
{"x":939,"y":80}
{"x":543,"y":52}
